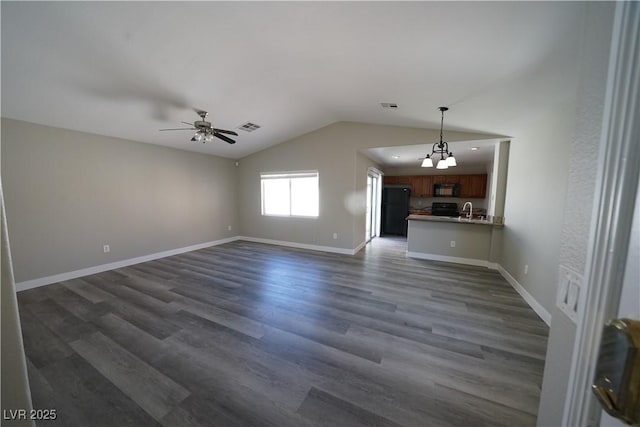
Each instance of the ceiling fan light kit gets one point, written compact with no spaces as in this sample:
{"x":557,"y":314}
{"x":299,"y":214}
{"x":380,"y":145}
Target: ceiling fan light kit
{"x":205,"y":131}
{"x":442,"y":149}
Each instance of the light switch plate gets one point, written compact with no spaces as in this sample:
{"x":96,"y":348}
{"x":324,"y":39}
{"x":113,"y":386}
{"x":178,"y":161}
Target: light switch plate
{"x":568,"y":297}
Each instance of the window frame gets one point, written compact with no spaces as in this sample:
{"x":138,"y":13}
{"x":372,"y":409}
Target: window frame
{"x":289,"y":176}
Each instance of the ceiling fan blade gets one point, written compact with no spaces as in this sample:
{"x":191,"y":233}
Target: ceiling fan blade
{"x":187,"y":123}
{"x":228,"y":132}
{"x":178,"y":129}
{"x":224,"y":138}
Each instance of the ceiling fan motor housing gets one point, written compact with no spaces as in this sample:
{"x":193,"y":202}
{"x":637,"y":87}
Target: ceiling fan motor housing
{"x":202,"y":124}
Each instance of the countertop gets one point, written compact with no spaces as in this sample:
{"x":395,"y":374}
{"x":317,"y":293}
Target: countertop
{"x":448,"y":219}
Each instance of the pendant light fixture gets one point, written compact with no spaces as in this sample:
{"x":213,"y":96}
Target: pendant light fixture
{"x":440,"y":148}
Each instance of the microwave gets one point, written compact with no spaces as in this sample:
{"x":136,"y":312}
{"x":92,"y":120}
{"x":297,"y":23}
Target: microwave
{"x":446,"y":190}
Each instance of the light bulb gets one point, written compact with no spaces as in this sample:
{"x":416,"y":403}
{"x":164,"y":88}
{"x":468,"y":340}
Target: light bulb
{"x":198,"y":137}
{"x":442,"y":164}
{"x":427,"y":162}
{"x":451,"y":161}
{"x":208,"y":137}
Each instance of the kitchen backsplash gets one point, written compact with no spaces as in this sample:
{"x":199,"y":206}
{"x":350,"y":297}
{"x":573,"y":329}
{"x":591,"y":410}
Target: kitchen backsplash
{"x":424,"y":203}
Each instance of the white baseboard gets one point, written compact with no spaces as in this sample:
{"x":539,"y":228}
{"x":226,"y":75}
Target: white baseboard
{"x":302,"y":245}
{"x":42,"y":281}
{"x":457,"y":260}
{"x":529,"y":299}
{"x":535,"y":305}
{"x":359,"y":247}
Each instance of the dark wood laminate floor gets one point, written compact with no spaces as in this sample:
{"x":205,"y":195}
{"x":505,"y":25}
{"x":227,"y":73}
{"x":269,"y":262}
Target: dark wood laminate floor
{"x":246,"y":334}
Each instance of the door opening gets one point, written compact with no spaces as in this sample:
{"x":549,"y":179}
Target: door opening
{"x":373,"y":204}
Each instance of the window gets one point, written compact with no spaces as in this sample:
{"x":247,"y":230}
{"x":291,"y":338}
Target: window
{"x":290,"y":194}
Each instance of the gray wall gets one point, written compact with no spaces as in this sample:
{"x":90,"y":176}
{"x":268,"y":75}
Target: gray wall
{"x":68,"y":193}
{"x":319,"y":151}
{"x":535,"y":200}
{"x":473,"y":241}
{"x":574,"y":234}
{"x":334,"y":152}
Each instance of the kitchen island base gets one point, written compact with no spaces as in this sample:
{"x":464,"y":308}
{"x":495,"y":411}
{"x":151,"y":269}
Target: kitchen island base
{"x":450,"y":240}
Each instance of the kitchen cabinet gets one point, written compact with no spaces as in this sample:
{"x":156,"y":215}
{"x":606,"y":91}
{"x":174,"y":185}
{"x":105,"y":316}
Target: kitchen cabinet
{"x":396,"y":180}
{"x":465,"y":186}
{"x":438,"y":179}
{"x":471,"y":186}
{"x":446,"y":179}
{"x":428,"y":185}
{"x":389,"y":180}
{"x":421,"y":186}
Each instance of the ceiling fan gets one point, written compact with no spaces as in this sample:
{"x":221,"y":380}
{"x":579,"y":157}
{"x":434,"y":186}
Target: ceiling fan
{"x":205,"y":131}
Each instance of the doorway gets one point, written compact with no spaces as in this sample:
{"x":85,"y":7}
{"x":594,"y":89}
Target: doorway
{"x":374,"y":193}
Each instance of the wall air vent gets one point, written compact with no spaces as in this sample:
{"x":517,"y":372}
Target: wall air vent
{"x":389,"y":105}
{"x":249,"y":127}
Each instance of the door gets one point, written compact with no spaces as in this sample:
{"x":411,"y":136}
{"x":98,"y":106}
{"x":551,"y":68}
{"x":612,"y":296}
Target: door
{"x":612,"y":277}
{"x":369,"y":209}
{"x":373,"y":205}
{"x":630,"y":294}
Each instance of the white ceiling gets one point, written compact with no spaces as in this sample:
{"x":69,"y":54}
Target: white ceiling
{"x":466,"y":153}
{"x":127,"y":69}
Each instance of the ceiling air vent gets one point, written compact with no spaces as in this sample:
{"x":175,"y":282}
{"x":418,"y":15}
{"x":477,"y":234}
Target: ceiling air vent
{"x":389,"y":105}
{"x":249,"y":127}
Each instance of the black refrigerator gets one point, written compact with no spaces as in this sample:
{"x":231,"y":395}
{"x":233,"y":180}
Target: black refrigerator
{"x":395,"y":209}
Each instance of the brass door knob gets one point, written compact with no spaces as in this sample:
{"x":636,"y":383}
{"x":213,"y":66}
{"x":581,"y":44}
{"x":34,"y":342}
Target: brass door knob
{"x":617,"y":379}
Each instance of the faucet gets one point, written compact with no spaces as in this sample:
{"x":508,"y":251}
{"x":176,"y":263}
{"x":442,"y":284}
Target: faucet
{"x":470,"y":214}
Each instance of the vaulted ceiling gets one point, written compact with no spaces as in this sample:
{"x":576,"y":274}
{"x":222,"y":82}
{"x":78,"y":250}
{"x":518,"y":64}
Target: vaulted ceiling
{"x":127,"y":69}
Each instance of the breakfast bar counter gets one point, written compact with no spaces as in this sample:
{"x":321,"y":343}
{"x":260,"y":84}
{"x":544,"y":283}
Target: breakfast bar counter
{"x":451,"y":239}
{"x":418,"y":217}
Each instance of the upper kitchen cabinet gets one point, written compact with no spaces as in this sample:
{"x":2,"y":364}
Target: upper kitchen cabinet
{"x":473,"y":186}
{"x":421,"y":186}
{"x":445,"y":179}
{"x":396,"y":180}
{"x":389,"y":180}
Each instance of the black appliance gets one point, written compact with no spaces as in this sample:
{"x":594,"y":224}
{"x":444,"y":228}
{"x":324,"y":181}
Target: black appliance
{"x":444,"y":209}
{"x":395,"y":209}
{"x":446,"y":190}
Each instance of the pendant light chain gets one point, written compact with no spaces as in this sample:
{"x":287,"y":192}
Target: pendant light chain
{"x":442,"y":110}
{"x":446,"y":157}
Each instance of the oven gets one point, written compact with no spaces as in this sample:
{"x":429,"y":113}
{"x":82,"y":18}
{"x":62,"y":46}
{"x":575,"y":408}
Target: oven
{"x":444,"y":209}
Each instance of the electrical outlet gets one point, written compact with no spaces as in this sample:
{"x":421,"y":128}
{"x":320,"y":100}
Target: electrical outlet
{"x":229,"y":228}
{"x":526,"y":269}
{"x":106,"y":249}
{"x":453,"y":243}
{"x":335,"y":236}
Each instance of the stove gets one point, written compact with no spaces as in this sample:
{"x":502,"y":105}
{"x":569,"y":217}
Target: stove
{"x":444,"y":209}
